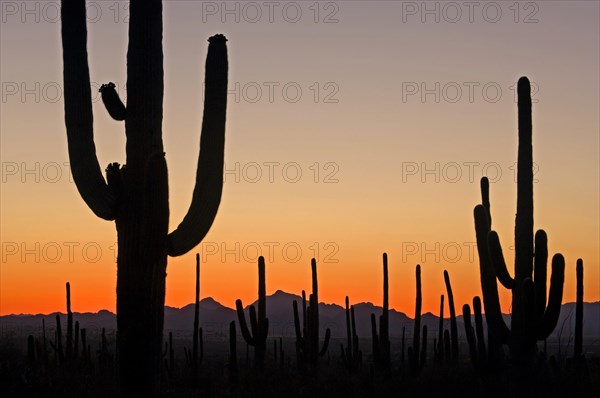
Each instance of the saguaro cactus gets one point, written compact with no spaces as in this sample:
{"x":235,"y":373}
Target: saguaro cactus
{"x":351,"y":355}
{"x":260,"y":326}
{"x":69,"y":343}
{"x":196,"y":331}
{"x":533,"y":318}
{"x":381,"y":342}
{"x":136,"y":195}
{"x":418,"y":346}
{"x":307,"y":335}
{"x":579,"y":311}
{"x":453,"y":326}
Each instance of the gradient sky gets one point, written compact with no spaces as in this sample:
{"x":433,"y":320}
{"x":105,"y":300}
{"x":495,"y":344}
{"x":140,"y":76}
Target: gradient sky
{"x":355,"y":122}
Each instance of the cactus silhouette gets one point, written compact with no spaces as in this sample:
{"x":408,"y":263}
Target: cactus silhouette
{"x":481,"y":350}
{"x":381,"y":341}
{"x":307,"y":335}
{"x":136,"y":195}
{"x":351,"y":355}
{"x":578,"y":347}
{"x":260,"y":325}
{"x":196,"y":330}
{"x":439,"y":347}
{"x":419,"y":346}
{"x":475,"y":338}
{"x":533,"y":318}
{"x":453,"y":326}
{"x":69,"y":342}
{"x":232,"y":365}
{"x":470,"y":333}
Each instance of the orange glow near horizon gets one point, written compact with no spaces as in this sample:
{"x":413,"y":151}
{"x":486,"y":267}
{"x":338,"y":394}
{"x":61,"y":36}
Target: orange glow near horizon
{"x":358,"y":166}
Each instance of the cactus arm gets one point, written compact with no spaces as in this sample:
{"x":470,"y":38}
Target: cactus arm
{"x":243,"y":326}
{"x":554,"y":297}
{"x":489,"y":285}
{"x":325,"y":343}
{"x":209,"y":175}
{"x":485,"y":198}
{"x":254,"y":323}
{"x":497,"y":259}
{"x":78,"y":113}
{"x":112,"y":102}
{"x":539,"y":272}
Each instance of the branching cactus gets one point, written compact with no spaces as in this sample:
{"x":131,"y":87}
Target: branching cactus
{"x":135,"y":196}
{"x":307,"y":334}
{"x":534,"y":316}
{"x":260,"y":325}
{"x":381,"y":341}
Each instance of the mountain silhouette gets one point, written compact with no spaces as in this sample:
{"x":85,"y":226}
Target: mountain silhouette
{"x":215,"y":319}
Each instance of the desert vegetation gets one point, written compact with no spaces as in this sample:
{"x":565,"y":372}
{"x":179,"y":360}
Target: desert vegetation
{"x":141,"y":359}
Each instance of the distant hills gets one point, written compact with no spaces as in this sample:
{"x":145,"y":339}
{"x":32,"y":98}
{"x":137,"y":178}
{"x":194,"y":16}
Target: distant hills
{"x":215,"y":319}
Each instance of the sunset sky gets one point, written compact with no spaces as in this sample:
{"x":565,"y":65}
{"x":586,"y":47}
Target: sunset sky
{"x":354,"y":128}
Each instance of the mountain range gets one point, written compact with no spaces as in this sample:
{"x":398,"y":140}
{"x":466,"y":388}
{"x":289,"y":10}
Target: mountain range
{"x":215,"y":319}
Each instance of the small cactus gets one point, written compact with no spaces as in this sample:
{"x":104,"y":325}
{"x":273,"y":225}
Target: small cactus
{"x":69,"y":342}
{"x":417,"y":354}
{"x":381,"y":341}
{"x":232,"y":365}
{"x":196,"y":330}
{"x":260,"y":325}
{"x":307,"y":335}
{"x":351,"y":355}
{"x":453,"y":325}
{"x":578,"y":348}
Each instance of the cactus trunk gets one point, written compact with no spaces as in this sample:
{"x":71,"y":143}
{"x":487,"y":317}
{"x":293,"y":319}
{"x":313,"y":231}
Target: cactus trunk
{"x":136,"y":195}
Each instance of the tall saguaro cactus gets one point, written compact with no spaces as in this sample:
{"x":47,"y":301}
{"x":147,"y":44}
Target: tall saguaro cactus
{"x":135,"y":196}
{"x":533,"y":316}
